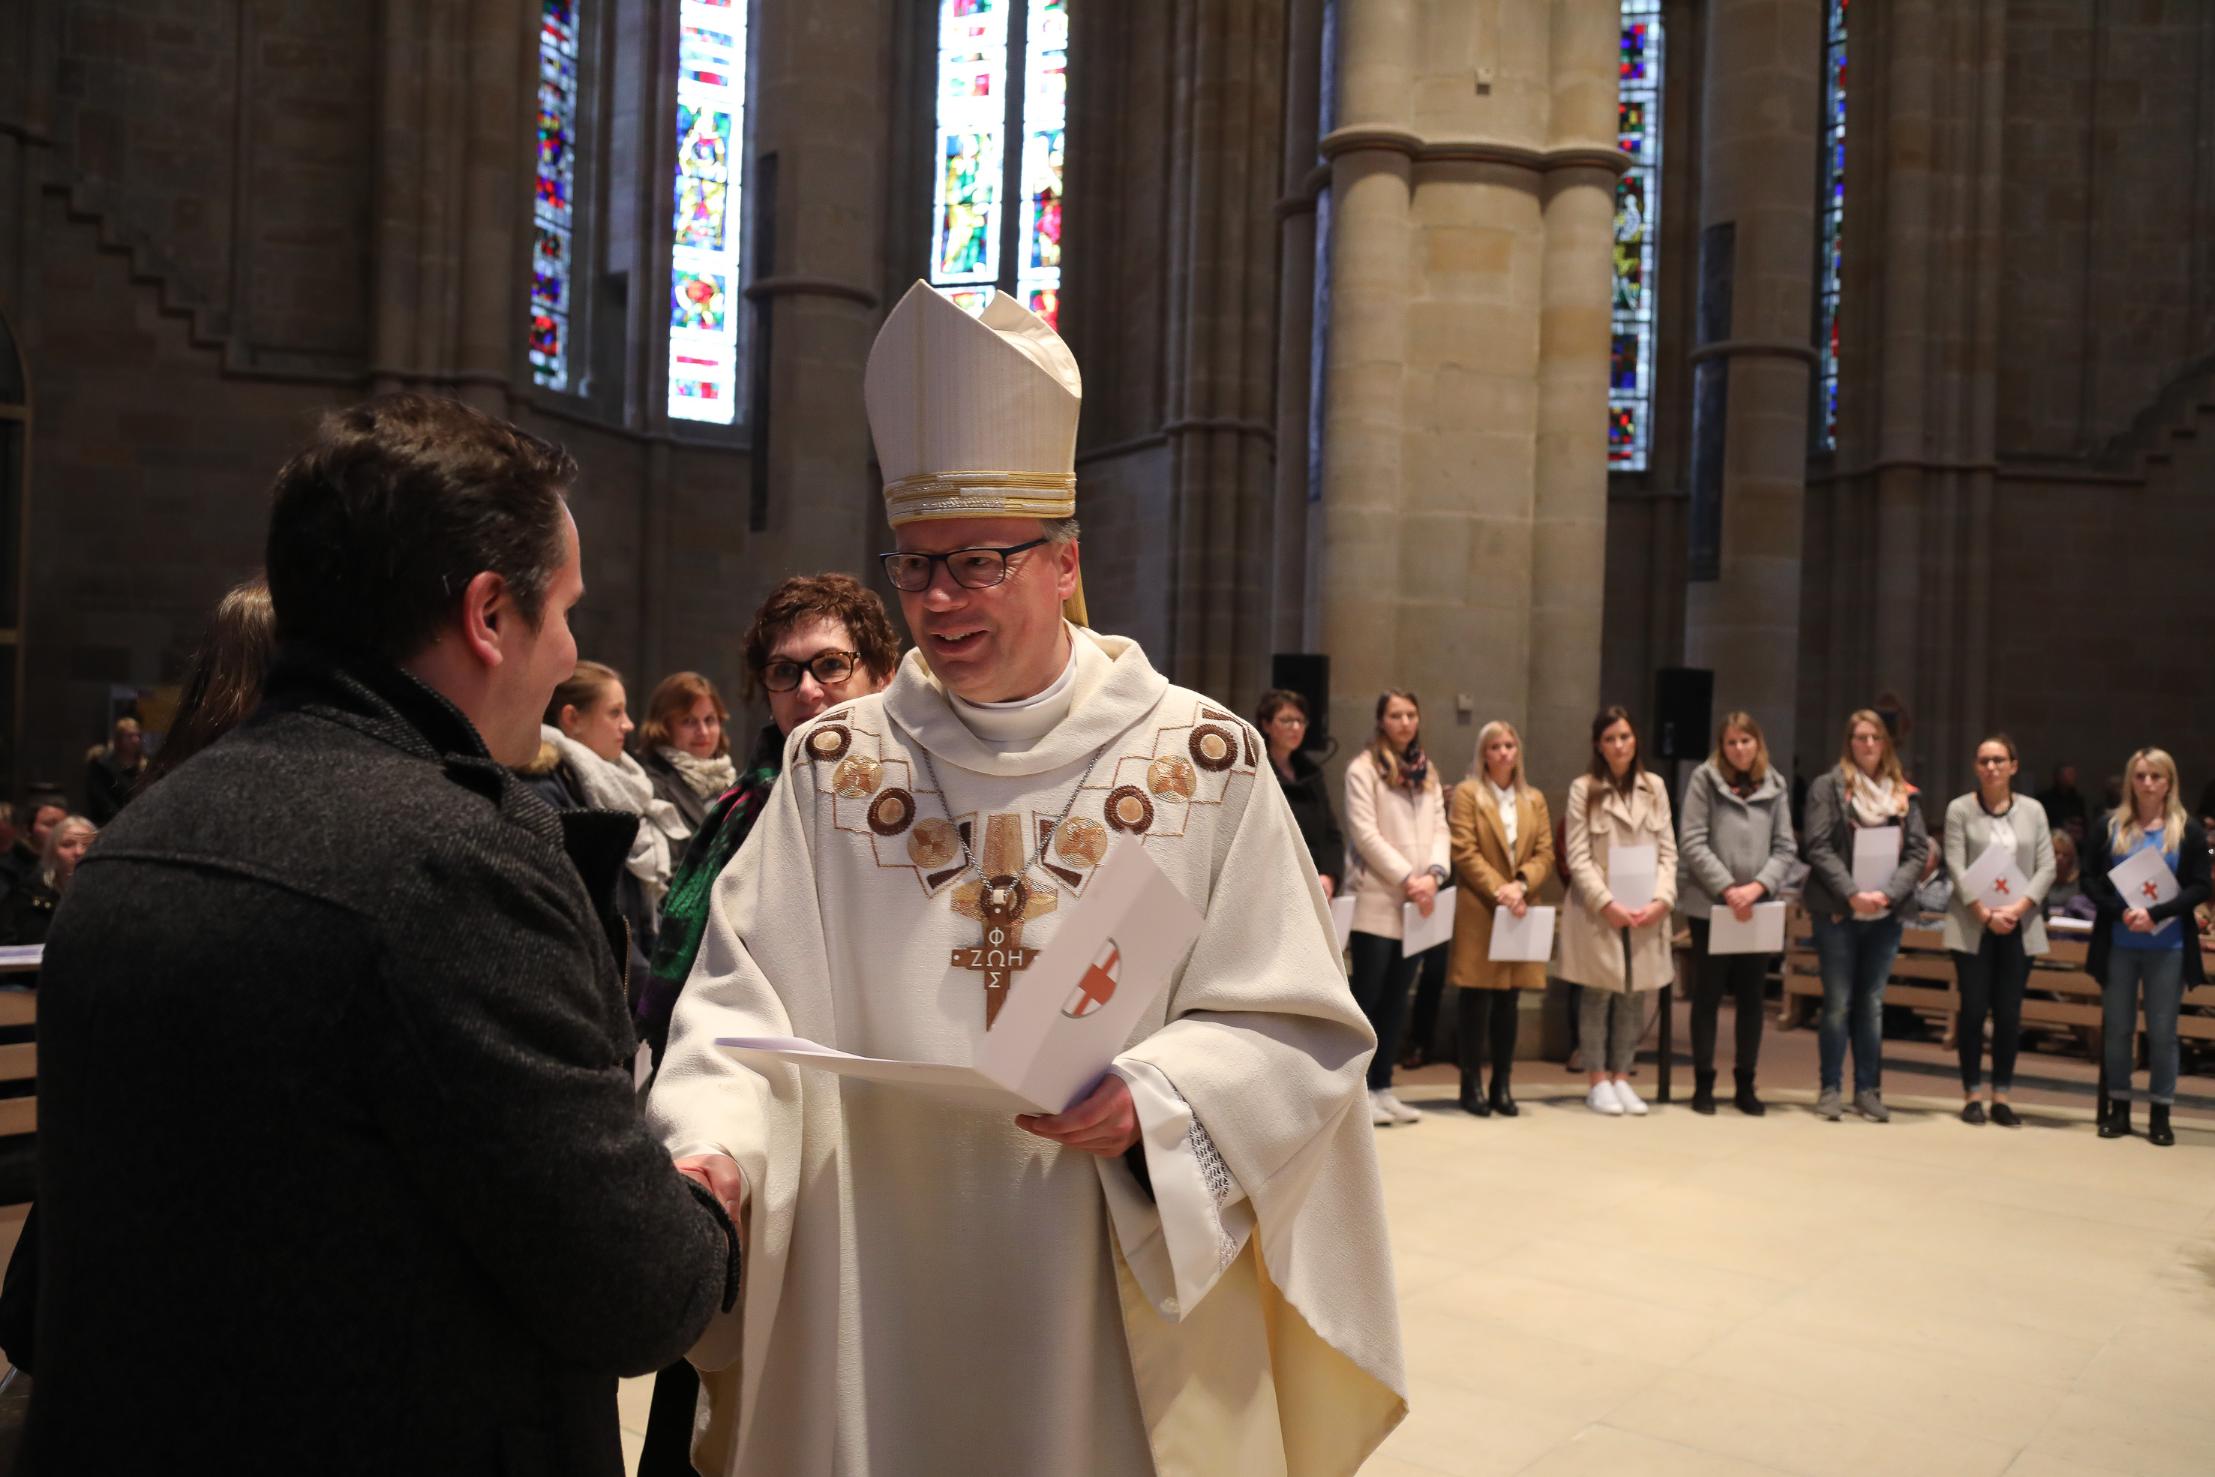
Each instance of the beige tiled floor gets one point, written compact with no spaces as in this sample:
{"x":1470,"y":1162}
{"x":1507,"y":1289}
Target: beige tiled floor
{"x":1725,"y":1296}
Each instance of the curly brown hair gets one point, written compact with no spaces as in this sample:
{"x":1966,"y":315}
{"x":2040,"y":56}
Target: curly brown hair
{"x":806,"y":598}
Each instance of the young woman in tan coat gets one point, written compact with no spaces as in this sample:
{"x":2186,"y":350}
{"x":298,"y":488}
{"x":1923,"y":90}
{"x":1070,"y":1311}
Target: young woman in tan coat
{"x":1503,"y":847}
{"x":1618,"y":954}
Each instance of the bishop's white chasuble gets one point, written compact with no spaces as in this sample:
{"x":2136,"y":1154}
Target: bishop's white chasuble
{"x":930,"y":1289}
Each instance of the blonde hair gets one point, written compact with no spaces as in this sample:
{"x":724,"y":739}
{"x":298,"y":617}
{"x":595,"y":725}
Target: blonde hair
{"x":2123,"y":820}
{"x":1380,"y":747}
{"x":1888,"y":766}
{"x":1744,"y":723}
{"x":49,"y":868}
{"x":581,"y":689}
{"x":1480,"y":770}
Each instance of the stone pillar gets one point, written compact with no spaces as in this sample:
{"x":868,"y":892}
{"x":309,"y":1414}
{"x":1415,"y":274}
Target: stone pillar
{"x":1464,"y":452}
{"x":1762,"y":99}
{"x":1302,"y":179}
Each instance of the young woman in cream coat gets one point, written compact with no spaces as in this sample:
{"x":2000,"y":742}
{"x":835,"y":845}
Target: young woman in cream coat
{"x":1397,"y":854}
{"x":1619,"y":954}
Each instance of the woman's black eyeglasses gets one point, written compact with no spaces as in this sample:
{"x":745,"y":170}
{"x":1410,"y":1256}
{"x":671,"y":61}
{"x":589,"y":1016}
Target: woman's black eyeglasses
{"x":826,"y":667}
{"x":972,"y":569}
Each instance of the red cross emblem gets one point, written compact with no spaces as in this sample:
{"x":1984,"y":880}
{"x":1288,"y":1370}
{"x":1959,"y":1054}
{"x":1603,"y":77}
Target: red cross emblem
{"x":1999,"y":885}
{"x":2153,"y":893}
{"x":1097,"y":987}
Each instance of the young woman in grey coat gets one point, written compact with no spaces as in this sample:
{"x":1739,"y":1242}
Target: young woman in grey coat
{"x":1993,"y":942}
{"x":1734,"y":844}
{"x":1857,"y":927}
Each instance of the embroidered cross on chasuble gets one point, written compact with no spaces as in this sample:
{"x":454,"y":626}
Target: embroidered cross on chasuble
{"x":1003,"y":901}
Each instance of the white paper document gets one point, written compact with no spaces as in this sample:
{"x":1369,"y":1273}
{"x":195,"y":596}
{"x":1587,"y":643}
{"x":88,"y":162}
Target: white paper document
{"x":1761,"y":934}
{"x":1525,"y":940}
{"x":1419,"y":934}
{"x":1342,"y":920}
{"x":1066,"y":1016}
{"x":1876,"y":856}
{"x":1994,"y":880}
{"x":17,"y":958}
{"x":1630,"y":874}
{"x":2144,"y":879}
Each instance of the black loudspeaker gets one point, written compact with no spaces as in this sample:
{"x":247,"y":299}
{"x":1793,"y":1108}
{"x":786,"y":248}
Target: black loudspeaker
{"x":1307,"y":673}
{"x":1684,"y":705}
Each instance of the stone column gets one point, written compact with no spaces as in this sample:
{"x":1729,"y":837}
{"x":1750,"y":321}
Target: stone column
{"x":1762,"y":97}
{"x":1302,"y":180}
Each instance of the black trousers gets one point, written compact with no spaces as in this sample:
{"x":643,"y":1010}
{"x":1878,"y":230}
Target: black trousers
{"x":1380,"y":980}
{"x":1429,"y":969}
{"x":1743,"y":977}
{"x":1992,"y":980}
{"x":1484,"y":1025}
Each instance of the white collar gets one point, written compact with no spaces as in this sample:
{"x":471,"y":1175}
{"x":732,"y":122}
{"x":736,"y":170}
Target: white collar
{"x":1502,"y":794}
{"x":1024,"y":719}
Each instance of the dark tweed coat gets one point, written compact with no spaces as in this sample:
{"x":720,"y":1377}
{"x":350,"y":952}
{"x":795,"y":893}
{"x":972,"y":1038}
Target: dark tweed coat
{"x":341,"y":1170}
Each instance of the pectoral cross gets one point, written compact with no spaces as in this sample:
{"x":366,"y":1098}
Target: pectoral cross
{"x":1003,"y":901}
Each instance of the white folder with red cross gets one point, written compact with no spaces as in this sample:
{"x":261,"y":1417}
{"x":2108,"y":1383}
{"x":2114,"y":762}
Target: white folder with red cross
{"x":1066,"y":1016}
{"x":1994,"y":880}
{"x":2144,"y":879}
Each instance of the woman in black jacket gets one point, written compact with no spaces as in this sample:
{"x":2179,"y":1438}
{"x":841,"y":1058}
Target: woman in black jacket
{"x":2141,"y":944}
{"x":1282,"y":718}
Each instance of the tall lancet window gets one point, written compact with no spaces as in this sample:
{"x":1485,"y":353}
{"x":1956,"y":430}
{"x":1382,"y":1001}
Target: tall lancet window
{"x":1832,"y":225}
{"x":705,"y":254}
{"x":554,"y":210}
{"x":1637,"y":214}
{"x":987,"y":94}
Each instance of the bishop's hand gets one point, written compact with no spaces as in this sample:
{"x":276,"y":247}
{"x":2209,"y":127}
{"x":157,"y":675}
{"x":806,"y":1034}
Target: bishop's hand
{"x":1104,"y":1123}
{"x":721,"y":1177}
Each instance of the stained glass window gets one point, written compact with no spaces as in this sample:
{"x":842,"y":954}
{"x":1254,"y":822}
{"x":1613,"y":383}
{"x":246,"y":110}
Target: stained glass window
{"x":705,"y":254}
{"x":1831,"y":222}
{"x":554,"y":211}
{"x":972,"y":141}
{"x":1637,"y":213}
{"x":1045,"y":111}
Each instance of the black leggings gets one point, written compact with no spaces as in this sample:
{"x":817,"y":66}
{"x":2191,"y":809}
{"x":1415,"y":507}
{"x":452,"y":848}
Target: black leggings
{"x":1743,"y":977}
{"x":1482,"y":1017}
{"x":1380,"y":982}
{"x":1991,"y":979}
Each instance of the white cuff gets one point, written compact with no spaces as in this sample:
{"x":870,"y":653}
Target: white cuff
{"x":1199,"y":1219}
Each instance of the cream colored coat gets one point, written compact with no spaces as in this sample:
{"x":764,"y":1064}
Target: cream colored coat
{"x":1390,"y":833}
{"x":1482,"y":867}
{"x":1591,"y":952}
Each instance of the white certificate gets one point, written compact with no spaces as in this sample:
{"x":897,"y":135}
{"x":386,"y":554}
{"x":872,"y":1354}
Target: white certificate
{"x":1876,"y":856}
{"x":1342,"y":920}
{"x":1761,"y":934}
{"x":1525,"y":940}
{"x":2144,"y":879}
{"x":1419,"y":934}
{"x":1066,"y":1016}
{"x":1630,"y":874}
{"x":1994,"y":880}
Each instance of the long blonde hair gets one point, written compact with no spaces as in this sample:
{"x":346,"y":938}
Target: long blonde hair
{"x":1380,"y":748}
{"x":2123,"y":820}
{"x":1479,"y":770}
{"x":1888,"y":767}
{"x":1744,"y":723}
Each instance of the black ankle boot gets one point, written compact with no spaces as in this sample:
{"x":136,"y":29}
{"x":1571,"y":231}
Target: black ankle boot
{"x":2116,"y":1125}
{"x":1472,"y":1095}
{"x":1703,"y":1091}
{"x":1745,"y":1101}
{"x":1502,"y":1102}
{"x":2158,"y":1131}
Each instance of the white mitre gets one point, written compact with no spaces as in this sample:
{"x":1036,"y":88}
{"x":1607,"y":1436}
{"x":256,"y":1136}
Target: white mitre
{"x":974,"y":416}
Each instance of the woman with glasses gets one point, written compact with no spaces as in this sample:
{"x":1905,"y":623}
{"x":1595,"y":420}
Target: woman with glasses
{"x":818,"y":640}
{"x":2142,"y":946}
{"x":1993,"y":942}
{"x":1282,"y":718}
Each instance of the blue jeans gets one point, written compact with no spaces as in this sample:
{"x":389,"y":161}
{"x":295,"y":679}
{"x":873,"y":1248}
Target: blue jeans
{"x":1856,"y":958}
{"x":2161,"y":973}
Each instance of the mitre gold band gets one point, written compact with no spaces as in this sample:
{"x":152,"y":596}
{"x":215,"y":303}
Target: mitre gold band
{"x":981,"y":495}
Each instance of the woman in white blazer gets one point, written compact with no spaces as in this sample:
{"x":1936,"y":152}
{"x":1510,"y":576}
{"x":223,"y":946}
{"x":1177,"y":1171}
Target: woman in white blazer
{"x":1398,"y":852}
{"x":1617,"y":952}
{"x":1993,"y":941}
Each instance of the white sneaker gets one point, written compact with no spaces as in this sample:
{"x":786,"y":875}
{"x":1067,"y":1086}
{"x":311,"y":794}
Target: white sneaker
{"x":1401,"y":1112}
{"x":1379,"y":1114}
{"x":1601,"y":1099}
{"x":1632,"y":1103}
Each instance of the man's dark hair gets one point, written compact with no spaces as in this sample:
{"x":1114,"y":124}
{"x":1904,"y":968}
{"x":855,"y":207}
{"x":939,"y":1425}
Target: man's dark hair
{"x":380,"y":524}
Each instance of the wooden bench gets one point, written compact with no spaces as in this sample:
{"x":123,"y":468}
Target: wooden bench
{"x":18,"y":1115}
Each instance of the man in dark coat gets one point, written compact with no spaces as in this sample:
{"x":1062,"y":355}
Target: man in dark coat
{"x":341,"y":1168}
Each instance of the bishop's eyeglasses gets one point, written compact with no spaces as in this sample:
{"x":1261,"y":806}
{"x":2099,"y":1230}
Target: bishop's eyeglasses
{"x":972,"y":569}
{"x":826,"y":667}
